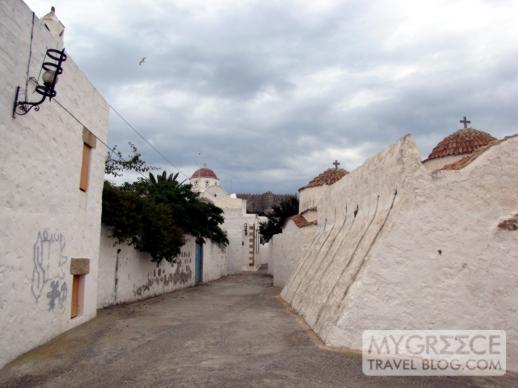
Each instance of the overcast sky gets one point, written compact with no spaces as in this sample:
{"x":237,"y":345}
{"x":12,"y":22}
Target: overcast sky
{"x":269,"y":93}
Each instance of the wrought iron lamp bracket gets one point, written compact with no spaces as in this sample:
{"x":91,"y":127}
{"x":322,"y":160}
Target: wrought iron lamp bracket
{"x":47,"y":89}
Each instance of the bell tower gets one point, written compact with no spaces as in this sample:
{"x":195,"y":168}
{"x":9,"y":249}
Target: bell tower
{"x":54,"y":25}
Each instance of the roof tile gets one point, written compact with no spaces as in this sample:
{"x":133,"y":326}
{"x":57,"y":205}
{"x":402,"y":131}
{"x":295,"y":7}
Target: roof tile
{"x":328,"y":177}
{"x":463,"y":141}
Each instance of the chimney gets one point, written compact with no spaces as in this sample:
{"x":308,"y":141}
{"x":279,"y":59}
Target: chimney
{"x":53,"y":24}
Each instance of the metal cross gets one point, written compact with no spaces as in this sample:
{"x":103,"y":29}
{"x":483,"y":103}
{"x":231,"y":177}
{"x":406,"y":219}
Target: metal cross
{"x":465,"y":121}
{"x":336,"y":164}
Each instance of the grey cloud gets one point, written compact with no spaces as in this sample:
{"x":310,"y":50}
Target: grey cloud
{"x":232,"y":58}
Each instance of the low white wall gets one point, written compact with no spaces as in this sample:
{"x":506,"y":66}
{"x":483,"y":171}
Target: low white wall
{"x":238,"y":246}
{"x":126,"y":275}
{"x":214,"y":261}
{"x":400,"y":247}
{"x":264,"y":254}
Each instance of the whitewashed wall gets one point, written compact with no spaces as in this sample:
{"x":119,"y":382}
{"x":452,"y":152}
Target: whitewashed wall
{"x":435,"y":164}
{"x":287,"y":250}
{"x":214,"y":261}
{"x":264,"y":254}
{"x":126,"y":275}
{"x":405,"y":248}
{"x":137,"y":277}
{"x":46,"y":219}
{"x":310,"y":197}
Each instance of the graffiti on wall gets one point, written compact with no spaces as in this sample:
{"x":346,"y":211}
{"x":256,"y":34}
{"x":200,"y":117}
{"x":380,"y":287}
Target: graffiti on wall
{"x":162,"y":278}
{"x":48,"y":274}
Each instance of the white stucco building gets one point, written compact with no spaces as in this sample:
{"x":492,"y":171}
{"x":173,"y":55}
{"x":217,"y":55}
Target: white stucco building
{"x":310,"y":194}
{"x":51,"y":174}
{"x":242,"y":228}
{"x":203,"y":178}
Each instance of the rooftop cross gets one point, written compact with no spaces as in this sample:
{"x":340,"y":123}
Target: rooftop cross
{"x":336,"y":163}
{"x":465,"y":121}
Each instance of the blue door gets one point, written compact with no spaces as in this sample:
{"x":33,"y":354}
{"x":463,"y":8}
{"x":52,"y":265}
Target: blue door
{"x":198,"y":275}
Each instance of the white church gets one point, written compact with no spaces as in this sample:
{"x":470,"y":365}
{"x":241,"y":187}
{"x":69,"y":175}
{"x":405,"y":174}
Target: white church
{"x":406,"y":243}
{"x":242,"y":228}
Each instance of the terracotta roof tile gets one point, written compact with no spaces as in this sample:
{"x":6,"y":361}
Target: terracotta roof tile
{"x":463,"y":141}
{"x":463,"y":162}
{"x":301,"y":221}
{"x":204,"y":172}
{"x":328,"y":177}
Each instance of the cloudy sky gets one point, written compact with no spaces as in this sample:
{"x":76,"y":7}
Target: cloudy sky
{"x":269,"y":93}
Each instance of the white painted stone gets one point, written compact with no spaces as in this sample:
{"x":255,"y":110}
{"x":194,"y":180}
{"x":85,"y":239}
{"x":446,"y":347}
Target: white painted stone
{"x":438,"y":163}
{"x":53,"y":24}
{"x":430,"y":257}
{"x":310,"y":197}
{"x":202,"y":184}
{"x":46,"y":219}
{"x":287,"y":249}
{"x":126,"y":275}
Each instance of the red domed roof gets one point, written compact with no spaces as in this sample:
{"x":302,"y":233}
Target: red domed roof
{"x":462,"y":142}
{"x":328,"y":177}
{"x":204,"y":172}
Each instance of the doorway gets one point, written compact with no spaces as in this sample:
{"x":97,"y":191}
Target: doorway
{"x":198,"y":274}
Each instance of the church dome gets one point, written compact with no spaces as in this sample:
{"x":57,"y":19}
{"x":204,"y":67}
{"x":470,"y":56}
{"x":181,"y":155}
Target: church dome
{"x":464,"y":141}
{"x":328,"y":177}
{"x":204,"y":172}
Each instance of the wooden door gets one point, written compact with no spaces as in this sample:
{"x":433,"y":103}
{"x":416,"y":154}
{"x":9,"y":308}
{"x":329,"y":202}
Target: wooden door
{"x":74,"y":310}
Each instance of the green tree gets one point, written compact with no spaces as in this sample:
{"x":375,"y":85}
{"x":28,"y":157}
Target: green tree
{"x":116,"y":164}
{"x":155,"y":214}
{"x":278,"y":217}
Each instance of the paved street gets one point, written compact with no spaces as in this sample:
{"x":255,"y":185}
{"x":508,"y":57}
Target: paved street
{"x":233,"y":332}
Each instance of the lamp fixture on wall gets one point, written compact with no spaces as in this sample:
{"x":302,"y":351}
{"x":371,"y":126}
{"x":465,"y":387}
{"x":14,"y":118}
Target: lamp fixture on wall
{"x":50,"y":77}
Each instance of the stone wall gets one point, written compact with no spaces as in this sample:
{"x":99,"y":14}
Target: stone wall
{"x":47,"y":221}
{"x":400,"y":247}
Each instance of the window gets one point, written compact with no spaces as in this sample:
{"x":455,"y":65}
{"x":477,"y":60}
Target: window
{"x":89,"y":142}
{"x":76,"y":307}
{"x":79,"y":269}
{"x":85,"y":167}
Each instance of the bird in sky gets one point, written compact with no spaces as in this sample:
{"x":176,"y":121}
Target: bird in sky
{"x":142,"y":61}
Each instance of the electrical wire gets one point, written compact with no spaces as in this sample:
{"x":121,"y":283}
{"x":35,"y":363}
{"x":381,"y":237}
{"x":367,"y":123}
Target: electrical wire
{"x":111,"y":107}
{"x":97,"y":137}
{"x":146,"y":140}
{"x":30,"y":57}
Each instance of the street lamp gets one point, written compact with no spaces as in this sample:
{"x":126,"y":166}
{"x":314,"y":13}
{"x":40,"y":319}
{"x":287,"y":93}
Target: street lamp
{"x":50,"y":77}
